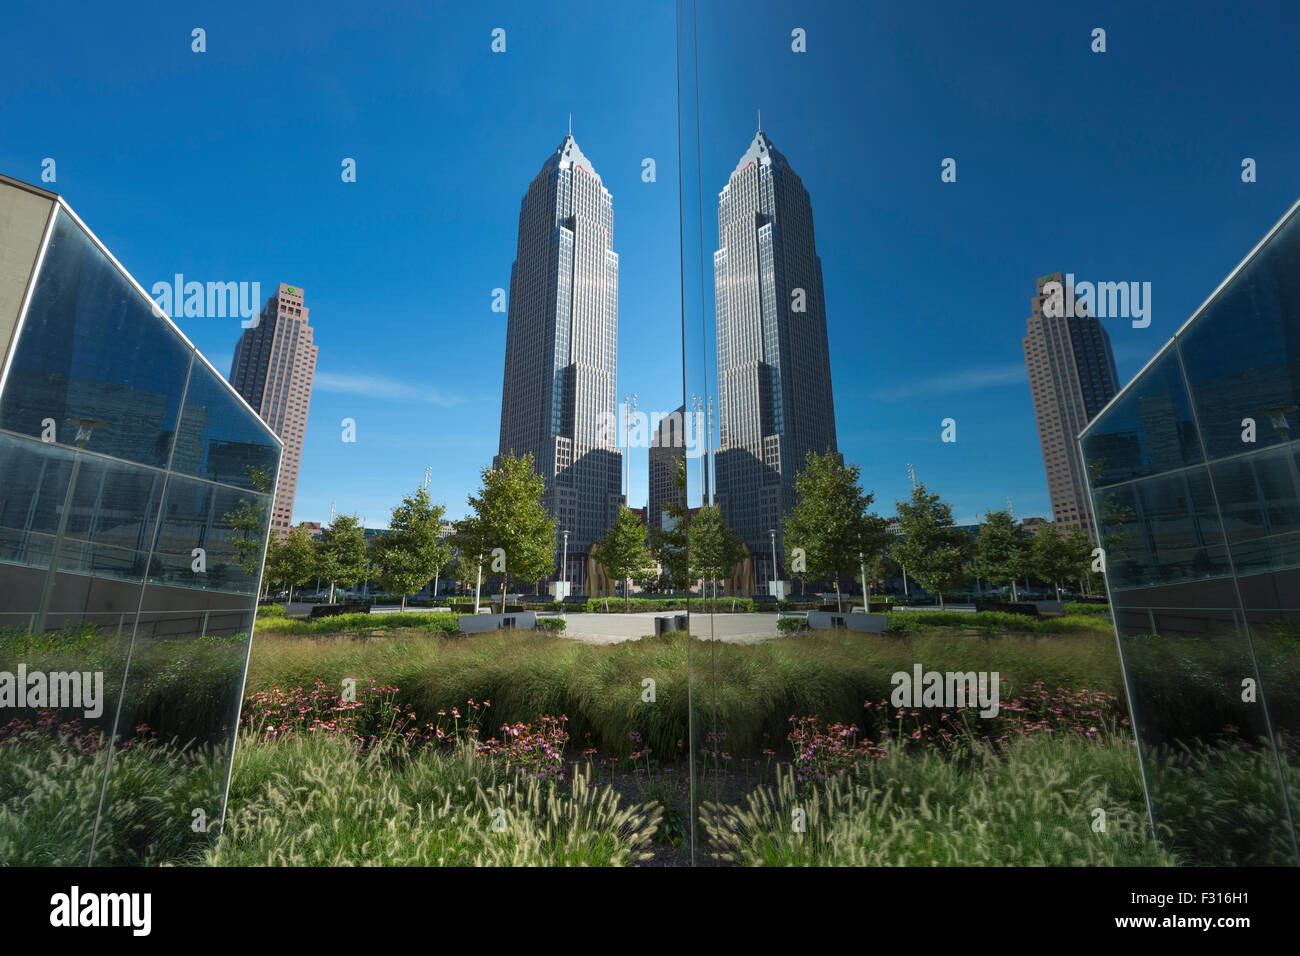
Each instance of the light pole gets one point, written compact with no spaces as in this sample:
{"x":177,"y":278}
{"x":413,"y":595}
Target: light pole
{"x":772,"y":534}
{"x":862,"y":564}
{"x":564,"y":561}
{"x":627,"y":447}
{"x":85,"y":426}
{"x":710,"y":473}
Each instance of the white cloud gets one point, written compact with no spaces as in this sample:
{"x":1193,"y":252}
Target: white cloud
{"x":969,"y":380}
{"x":387,"y":389}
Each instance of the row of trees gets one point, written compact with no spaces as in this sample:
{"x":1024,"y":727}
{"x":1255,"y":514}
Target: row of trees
{"x":831,"y":532}
{"x":402,"y":560}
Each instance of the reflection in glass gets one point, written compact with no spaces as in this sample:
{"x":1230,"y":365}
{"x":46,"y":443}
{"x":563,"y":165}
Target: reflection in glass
{"x":130,"y":551}
{"x":1203,"y":564}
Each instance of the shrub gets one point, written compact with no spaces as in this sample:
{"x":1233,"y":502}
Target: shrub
{"x":270,"y":610}
{"x":552,"y":623}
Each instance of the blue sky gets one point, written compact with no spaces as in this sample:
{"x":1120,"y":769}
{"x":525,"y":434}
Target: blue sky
{"x":225,"y":166}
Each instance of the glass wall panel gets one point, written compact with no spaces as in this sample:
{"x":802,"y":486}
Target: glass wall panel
{"x":93,"y":363}
{"x":1148,"y":429}
{"x":1242,"y":354}
{"x":148,"y":675}
{"x":220,"y":438}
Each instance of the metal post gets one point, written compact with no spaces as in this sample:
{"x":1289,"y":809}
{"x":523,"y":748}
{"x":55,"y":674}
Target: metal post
{"x":866,"y":602}
{"x":564,"y":561}
{"x":772,"y":533}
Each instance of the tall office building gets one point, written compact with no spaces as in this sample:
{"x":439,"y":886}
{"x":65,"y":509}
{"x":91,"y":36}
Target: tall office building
{"x":774,"y":375}
{"x":1071,"y":377}
{"x":667,"y":449}
{"x":561,"y":368}
{"x":273,"y":369}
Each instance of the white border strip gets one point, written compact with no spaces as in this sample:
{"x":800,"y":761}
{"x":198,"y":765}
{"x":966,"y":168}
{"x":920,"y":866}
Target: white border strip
{"x":12,"y":344}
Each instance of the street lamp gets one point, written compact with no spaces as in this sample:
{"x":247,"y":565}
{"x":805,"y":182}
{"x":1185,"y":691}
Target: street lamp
{"x":85,"y":426}
{"x":862,"y":564}
{"x":772,"y":534}
{"x":564,"y":561}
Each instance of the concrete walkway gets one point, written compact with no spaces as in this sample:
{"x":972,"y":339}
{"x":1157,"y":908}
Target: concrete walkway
{"x":613,"y":628}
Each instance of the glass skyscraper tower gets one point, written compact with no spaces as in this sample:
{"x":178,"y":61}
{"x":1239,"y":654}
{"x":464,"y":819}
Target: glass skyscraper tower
{"x":558,"y":397}
{"x":774,"y":372}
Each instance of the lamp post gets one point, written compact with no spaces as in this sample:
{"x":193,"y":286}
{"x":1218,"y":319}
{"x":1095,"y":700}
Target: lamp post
{"x":627,"y":446}
{"x":564,"y":562}
{"x":85,"y":426}
{"x":772,"y":534}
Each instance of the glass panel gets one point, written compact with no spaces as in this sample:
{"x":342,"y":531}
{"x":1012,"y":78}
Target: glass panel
{"x":94,"y":365}
{"x":1161,"y":531}
{"x":220,"y":438}
{"x":1242,"y":354}
{"x":1147,"y":430}
{"x":216,"y":521}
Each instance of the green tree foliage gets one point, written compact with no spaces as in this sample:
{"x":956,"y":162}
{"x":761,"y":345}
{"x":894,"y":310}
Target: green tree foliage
{"x":248,"y":524}
{"x":341,"y":553}
{"x":1003,"y":553}
{"x":712,"y":550}
{"x":831,"y":521}
{"x":1079,"y":546}
{"x":508,"y":513}
{"x":291,"y":560}
{"x":669,"y":544}
{"x":623,"y":549}
{"x":929,"y":546}
{"x":1052,"y":556}
{"x":412,"y":551}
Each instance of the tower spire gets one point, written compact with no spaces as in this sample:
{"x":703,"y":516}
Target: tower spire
{"x":570,"y":124}
{"x":760,"y":121}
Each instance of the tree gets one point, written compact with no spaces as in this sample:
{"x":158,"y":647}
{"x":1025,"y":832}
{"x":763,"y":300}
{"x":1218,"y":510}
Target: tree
{"x":623,"y":549}
{"x":341,"y":553}
{"x":830,"y":521}
{"x":1051,"y":556}
{"x":291,"y":560}
{"x":712,"y":549}
{"x":669,"y":544}
{"x":508,"y":526}
{"x":930,"y":547}
{"x":412,"y":551}
{"x":1078,"y":547}
{"x":248,"y":524}
{"x":1003,"y":554}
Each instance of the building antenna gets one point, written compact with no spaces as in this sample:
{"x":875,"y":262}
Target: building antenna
{"x":1010,"y":510}
{"x":760,"y":121}
{"x":570,"y":124}
{"x":332,"y":504}
{"x":911,"y":473}
{"x":428,"y":473}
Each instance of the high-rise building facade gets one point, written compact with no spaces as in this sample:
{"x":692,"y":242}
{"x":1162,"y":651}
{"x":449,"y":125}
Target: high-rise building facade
{"x":1071,"y":378}
{"x":273,"y":369}
{"x":775,"y":403}
{"x":667,"y":451}
{"x":561,"y":368}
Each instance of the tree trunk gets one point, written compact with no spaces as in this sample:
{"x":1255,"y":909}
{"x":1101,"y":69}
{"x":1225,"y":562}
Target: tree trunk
{"x":503,"y":593}
{"x":403,"y":601}
{"x":1058,"y":590}
{"x":940,"y":600}
{"x":331,"y":592}
{"x":839,"y":603}
{"x":1014,"y":594}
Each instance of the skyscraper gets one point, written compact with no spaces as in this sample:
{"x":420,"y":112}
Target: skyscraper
{"x":1071,"y":377}
{"x":273,"y":369}
{"x":561,"y":368}
{"x":774,"y":375}
{"x":667,"y":449}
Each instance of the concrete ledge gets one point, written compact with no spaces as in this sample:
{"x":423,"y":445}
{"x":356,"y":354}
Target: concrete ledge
{"x":479,"y":623}
{"x":829,"y":620}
